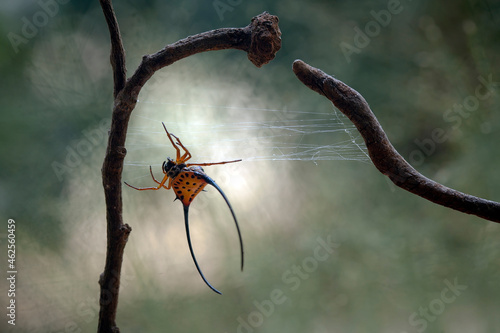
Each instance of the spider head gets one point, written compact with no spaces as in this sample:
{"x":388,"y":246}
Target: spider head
{"x":171,"y":168}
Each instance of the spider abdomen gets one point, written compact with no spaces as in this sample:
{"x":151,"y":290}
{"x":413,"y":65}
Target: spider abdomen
{"x":189,"y":183}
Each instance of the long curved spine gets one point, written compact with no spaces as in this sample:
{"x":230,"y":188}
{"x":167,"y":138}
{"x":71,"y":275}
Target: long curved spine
{"x":186,"y":220}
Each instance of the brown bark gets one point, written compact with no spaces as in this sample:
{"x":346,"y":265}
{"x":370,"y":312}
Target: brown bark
{"x":261,"y":39}
{"x":383,"y":155}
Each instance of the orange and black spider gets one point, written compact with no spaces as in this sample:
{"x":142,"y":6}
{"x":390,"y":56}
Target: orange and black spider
{"x":188,"y":180}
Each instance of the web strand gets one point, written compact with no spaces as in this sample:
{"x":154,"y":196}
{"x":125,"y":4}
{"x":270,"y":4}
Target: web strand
{"x":262,"y":135}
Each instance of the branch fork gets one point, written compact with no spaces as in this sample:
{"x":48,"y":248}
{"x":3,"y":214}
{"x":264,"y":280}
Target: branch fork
{"x":261,"y":39}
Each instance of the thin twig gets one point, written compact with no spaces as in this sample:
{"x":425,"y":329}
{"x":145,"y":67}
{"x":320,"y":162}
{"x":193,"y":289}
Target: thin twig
{"x":261,"y":39}
{"x":383,"y":155}
{"x":117,"y":55}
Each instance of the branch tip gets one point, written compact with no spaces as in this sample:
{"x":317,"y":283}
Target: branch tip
{"x":265,"y":40}
{"x":383,"y":155}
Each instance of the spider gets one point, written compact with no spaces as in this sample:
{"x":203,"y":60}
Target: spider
{"x":188,"y":180}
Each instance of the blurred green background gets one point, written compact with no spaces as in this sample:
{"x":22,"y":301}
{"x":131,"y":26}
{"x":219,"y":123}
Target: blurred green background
{"x":331,"y":245}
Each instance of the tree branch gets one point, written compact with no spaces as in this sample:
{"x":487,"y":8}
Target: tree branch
{"x":117,"y":55}
{"x":261,"y":39}
{"x":383,"y":155}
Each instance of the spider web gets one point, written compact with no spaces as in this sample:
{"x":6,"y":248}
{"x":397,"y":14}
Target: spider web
{"x":261,"y":134}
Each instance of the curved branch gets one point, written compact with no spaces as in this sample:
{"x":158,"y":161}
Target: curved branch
{"x":117,"y":55}
{"x":383,"y":155}
{"x":261,"y":39}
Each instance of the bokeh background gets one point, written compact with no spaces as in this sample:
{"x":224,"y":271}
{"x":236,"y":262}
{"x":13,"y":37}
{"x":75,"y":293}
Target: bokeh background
{"x":331,"y":245}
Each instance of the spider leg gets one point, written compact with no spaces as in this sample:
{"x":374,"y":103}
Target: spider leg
{"x":212,"y":182}
{"x":162,"y":184}
{"x":142,"y":188}
{"x":186,"y":213}
{"x":214,"y":163}
{"x":187,"y":154}
{"x":157,"y":182}
{"x":178,"y":154}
